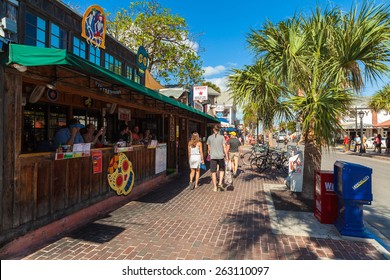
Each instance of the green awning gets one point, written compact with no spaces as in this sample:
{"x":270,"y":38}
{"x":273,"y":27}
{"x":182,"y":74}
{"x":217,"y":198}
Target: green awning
{"x":37,"y":56}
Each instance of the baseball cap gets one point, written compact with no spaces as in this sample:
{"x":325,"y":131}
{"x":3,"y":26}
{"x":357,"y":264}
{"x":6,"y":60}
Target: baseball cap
{"x":78,"y":125}
{"x":233,"y":133}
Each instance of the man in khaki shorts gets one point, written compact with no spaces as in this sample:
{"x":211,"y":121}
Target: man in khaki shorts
{"x":234,"y":149}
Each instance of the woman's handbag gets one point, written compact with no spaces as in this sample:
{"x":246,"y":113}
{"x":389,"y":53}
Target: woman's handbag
{"x":202,"y":166}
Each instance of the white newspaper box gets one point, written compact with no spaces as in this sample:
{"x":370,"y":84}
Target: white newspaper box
{"x":295,"y":172}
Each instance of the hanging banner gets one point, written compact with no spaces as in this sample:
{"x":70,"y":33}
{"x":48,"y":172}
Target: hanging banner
{"x":120,"y":174}
{"x":142,"y":60}
{"x":97,"y":162}
{"x":200,"y":93}
{"x":94,"y":26}
{"x":124,"y":114}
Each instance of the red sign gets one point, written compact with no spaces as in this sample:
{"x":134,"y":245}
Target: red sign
{"x":124,"y":114}
{"x":97,"y":161}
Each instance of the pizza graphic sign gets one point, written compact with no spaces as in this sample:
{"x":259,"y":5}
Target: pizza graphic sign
{"x":120,"y":174}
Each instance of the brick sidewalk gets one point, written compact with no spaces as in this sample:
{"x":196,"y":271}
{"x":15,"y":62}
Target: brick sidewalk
{"x":177,"y":223}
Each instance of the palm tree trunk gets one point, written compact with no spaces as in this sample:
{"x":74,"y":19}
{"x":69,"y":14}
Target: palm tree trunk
{"x":312,"y":163}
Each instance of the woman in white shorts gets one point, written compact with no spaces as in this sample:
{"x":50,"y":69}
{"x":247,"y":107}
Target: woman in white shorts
{"x":195,"y":155}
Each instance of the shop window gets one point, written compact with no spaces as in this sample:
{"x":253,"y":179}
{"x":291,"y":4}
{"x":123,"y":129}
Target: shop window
{"x":57,"y":120}
{"x":79,"y":47}
{"x":112,"y":64}
{"x":34,"y":128}
{"x":87,"y":116}
{"x":94,"y":54}
{"x":137,"y":78}
{"x":58,"y":37}
{"x":118,"y":67}
{"x":129,"y":72}
{"x":109,"y":62}
{"x":10,"y":10}
{"x":35,"y":31}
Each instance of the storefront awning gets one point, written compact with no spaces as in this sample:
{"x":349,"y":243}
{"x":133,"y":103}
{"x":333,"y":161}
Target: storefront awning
{"x":223,"y":120}
{"x":38,"y":56}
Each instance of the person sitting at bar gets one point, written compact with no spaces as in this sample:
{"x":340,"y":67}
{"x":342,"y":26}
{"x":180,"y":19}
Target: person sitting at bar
{"x":124,"y":134}
{"x":91,"y":137}
{"x":69,"y":135}
{"x":147,"y":137}
{"x":135,"y":134}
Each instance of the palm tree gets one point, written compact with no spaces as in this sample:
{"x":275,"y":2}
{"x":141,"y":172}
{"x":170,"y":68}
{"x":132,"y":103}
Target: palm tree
{"x":250,"y":115}
{"x":381,"y":99}
{"x":257,"y":87}
{"x":322,"y":57}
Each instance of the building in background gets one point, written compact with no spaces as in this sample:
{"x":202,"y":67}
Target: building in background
{"x":373,"y":122}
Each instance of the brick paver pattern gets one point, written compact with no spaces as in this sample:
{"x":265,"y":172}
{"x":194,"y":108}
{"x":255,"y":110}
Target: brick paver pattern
{"x":174,"y":222}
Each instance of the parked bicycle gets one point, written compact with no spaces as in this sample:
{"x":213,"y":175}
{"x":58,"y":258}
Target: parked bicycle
{"x":273,"y":158}
{"x":249,"y":158}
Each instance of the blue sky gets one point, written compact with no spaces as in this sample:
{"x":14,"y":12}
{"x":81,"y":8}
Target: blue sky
{"x":221,"y":27}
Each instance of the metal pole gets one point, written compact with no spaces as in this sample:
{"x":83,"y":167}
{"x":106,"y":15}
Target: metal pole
{"x":356,"y":120}
{"x":362,"y":148}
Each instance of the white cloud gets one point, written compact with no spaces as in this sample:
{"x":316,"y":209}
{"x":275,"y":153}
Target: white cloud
{"x":220,"y":82}
{"x":210,"y":70}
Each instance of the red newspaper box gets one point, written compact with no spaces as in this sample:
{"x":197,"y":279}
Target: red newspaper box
{"x":325,"y":199}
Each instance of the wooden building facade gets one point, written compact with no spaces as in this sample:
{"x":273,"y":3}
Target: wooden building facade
{"x":48,"y":74}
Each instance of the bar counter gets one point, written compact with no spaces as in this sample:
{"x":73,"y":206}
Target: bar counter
{"x":51,"y":189}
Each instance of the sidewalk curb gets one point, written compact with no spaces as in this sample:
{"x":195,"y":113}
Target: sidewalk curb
{"x":275,"y":224}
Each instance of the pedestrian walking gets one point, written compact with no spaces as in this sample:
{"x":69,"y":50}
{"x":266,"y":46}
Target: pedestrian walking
{"x":378,"y":143}
{"x":388,"y":143}
{"x":226,"y":136}
{"x":195,"y":156}
{"x":216,"y":147}
{"x":234,"y":148}
{"x":358,"y":143}
{"x":346,"y":143}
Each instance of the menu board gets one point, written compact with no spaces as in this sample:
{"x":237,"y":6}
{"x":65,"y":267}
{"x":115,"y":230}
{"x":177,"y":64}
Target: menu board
{"x":161,"y":158}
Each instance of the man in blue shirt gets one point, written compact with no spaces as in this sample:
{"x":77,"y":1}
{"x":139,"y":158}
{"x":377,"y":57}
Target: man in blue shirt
{"x":69,"y":135}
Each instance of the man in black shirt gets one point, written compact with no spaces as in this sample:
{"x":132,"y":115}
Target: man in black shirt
{"x":234,"y":149}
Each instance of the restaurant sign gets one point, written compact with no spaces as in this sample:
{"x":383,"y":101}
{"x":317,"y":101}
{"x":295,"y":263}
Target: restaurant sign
{"x":200,"y":93}
{"x":94,"y":26}
{"x":142,"y":60}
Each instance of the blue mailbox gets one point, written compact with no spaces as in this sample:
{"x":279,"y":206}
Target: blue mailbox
{"x":353,"y":186}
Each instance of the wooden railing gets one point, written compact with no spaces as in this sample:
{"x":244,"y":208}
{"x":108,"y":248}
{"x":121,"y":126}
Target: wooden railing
{"x":46,"y":189}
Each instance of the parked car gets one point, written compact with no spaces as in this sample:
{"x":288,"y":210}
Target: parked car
{"x":370,"y":143}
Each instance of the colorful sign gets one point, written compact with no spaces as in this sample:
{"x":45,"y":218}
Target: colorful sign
{"x":94,"y":26}
{"x":120,"y":174}
{"x":142,"y":60}
{"x":200,"y":93}
{"x":97,"y":162}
